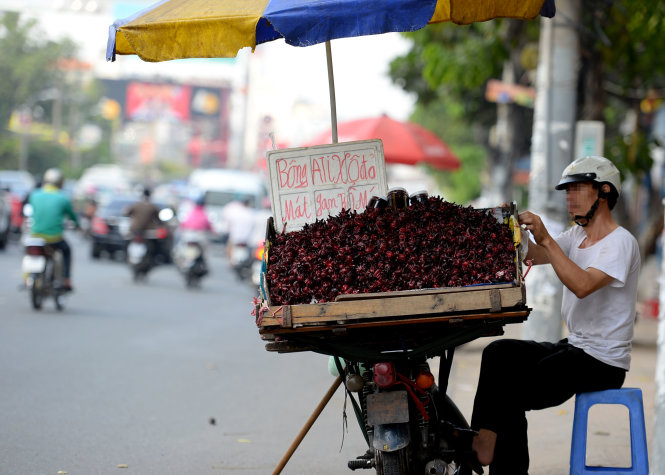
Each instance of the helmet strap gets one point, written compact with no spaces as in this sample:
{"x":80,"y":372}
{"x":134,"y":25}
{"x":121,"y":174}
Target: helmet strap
{"x":584,"y":220}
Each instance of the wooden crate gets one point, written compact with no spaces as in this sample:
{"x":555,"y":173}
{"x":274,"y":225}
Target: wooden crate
{"x":391,"y":320}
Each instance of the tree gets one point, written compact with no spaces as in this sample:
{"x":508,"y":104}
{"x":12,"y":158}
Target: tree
{"x":27,"y":63}
{"x":38,"y":80}
{"x":448,"y":68}
{"x":622,"y":79}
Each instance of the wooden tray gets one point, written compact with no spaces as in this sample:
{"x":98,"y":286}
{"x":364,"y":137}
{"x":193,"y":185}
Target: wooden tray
{"x":416,"y":304}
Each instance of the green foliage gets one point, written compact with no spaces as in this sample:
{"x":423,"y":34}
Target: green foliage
{"x":44,"y":154}
{"x":622,"y":46}
{"x":27,"y":63}
{"x":447,"y":121}
{"x":464,"y":185}
{"x":448,"y":68}
{"x":9,"y":151}
{"x":629,"y":37}
{"x":54,"y":99}
{"x":451,"y":63}
{"x":172,"y":169}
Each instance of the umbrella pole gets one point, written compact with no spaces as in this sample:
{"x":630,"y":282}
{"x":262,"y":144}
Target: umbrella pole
{"x":331,"y":87}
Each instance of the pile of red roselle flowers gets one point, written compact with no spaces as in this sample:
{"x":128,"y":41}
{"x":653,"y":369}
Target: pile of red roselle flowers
{"x":427,"y":245}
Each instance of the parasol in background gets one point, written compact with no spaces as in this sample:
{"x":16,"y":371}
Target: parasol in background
{"x":403,"y":142}
{"x":175,"y":29}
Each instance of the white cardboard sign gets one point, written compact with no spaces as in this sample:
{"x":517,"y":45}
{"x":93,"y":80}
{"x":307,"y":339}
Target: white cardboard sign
{"x":310,"y":183}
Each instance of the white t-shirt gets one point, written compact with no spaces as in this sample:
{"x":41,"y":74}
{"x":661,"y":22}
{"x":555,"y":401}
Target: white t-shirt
{"x":240,"y":221}
{"x":602,"y":323}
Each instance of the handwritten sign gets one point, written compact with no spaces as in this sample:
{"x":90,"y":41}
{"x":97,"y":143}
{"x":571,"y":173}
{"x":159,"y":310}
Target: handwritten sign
{"x":310,"y":183}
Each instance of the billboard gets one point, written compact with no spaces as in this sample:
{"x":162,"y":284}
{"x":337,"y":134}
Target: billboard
{"x":201,"y":112}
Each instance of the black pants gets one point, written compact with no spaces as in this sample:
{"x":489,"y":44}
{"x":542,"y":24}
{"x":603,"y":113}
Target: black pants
{"x":517,"y":376}
{"x":66,"y":257}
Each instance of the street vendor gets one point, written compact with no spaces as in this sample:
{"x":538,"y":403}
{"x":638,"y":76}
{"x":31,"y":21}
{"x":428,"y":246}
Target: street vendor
{"x":598,"y":263}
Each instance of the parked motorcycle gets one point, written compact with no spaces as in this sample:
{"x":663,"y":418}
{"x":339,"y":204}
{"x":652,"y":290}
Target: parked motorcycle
{"x":189,"y":257}
{"x":42,"y":267}
{"x":410,"y":424}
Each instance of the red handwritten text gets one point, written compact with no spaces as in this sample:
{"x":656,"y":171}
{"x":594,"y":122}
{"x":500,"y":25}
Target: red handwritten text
{"x":333,"y":169}
{"x":295,"y":209}
{"x":292,"y":174}
{"x":359,"y":197}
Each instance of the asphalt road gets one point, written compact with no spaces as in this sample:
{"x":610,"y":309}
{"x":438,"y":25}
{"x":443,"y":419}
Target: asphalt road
{"x":156,"y":379}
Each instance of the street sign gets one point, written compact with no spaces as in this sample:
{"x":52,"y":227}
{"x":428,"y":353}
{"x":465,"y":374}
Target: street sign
{"x":589,"y":138}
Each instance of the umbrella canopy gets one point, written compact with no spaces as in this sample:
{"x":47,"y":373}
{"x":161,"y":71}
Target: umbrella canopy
{"x":403,"y":142}
{"x":172,"y":29}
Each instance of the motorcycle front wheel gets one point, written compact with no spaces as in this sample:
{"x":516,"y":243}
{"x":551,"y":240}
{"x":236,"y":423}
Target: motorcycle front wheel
{"x":392,"y":463}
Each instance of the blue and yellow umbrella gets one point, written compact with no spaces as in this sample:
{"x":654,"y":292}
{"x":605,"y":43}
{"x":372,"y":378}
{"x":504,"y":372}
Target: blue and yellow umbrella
{"x":173,"y":29}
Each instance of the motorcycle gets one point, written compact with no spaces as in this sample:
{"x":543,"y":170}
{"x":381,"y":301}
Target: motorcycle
{"x":189,"y":257}
{"x":241,"y":260}
{"x":42,"y":267}
{"x":142,"y":249}
{"x":139,"y":256}
{"x":409,"y":423}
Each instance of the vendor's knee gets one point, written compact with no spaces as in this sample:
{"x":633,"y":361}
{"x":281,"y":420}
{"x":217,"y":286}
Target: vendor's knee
{"x":495,"y":349}
{"x":501,"y":352}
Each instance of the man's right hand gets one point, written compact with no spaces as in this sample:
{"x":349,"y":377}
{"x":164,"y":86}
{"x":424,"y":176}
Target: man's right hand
{"x":532,"y":223}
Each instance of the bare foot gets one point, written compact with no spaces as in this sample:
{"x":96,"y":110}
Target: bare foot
{"x":484,"y":444}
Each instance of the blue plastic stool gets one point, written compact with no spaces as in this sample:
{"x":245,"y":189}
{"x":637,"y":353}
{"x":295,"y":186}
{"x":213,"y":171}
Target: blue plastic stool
{"x":632,"y":399}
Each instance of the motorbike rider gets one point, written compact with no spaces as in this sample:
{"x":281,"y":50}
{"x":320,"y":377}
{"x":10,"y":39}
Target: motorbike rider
{"x":197,"y":219}
{"x":195,"y":227}
{"x":240,"y":218}
{"x":598,"y":263}
{"x":49,"y":209}
{"x":144,"y":214}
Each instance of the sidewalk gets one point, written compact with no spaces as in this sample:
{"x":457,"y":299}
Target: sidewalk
{"x":550,"y":429}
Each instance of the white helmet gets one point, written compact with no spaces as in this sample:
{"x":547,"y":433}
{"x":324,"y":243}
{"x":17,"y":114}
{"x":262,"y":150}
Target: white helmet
{"x":53,"y":176}
{"x":591,"y":168}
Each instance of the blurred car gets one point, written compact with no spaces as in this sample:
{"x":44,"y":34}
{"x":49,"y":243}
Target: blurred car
{"x":109,"y":230}
{"x":20,"y":184}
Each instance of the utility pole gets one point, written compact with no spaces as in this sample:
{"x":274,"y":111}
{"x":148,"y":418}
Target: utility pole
{"x":552,"y":150}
